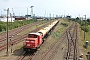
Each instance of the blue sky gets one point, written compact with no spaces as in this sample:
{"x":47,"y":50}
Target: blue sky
{"x":56,"y":7}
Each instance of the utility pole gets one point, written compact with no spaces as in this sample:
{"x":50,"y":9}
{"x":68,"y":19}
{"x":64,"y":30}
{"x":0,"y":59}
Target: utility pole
{"x":64,"y":13}
{"x":53,"y":16}
{"x":79,"y":18}
{"x":85,"y":27}
{"x":1,"y":13}
{"x":27,"y":13}
{"x":50,"y":16}
{"x":45,"y":14}
{"x":7,"y":30}
{"x":13,"y":13}
{"x":11,"y":19}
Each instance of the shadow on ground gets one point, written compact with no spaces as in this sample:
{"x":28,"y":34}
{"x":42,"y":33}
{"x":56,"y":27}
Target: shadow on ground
{"x":18,"y":52}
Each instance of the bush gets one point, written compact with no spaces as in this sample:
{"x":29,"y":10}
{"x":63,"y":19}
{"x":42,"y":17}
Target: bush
{"x":64,"y":24}
{"x":84,"y":29}
{"x":0,"y":27}
{"x":4,"y":27}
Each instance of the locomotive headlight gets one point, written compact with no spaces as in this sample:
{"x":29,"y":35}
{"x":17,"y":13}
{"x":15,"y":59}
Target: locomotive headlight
{"x":27,"y":41}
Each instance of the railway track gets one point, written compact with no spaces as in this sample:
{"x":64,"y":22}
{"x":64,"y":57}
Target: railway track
{"x":31,"y":54}
{"x":26,"y":56}
{"x":18,"y":39}
{"x":71,"y":52}
{"x":52,"y":51}
{"x":71,"y":35}
{"x":14,"y":33}
{"x":48,"y":55}
{"x":3,"y":45}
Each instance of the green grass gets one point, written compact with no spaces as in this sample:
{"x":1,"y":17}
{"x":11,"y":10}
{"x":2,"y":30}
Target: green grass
{"x":58,"y":33}
{"x":62,"y":28}
{"x":88,"y":38}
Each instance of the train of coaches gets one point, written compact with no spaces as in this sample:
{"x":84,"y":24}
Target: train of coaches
{"x":35,"y":39}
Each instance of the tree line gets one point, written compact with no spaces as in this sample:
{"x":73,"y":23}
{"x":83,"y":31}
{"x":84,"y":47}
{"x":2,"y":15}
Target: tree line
{"x":15,"y":24}
{"x":84,"y":24}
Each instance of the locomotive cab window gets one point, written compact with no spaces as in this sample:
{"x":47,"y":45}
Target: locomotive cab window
{"x":32,"y":36}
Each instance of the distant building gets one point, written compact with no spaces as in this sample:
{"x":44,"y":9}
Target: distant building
{"x":68,"y":16}
{"x":9,"y":19}
{"x":1,"y":16}
{"x":20,"y":18}
{"x":28,"y":17}
{"x":39,"y":18}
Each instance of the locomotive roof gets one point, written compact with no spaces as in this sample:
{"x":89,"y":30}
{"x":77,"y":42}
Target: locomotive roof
{"x":35,"y":33}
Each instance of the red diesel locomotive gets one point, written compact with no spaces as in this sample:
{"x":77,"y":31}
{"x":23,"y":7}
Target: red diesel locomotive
{"x":34,"y":40}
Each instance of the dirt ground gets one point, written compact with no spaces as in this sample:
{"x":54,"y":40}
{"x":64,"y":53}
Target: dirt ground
{"x":16,"y":51}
